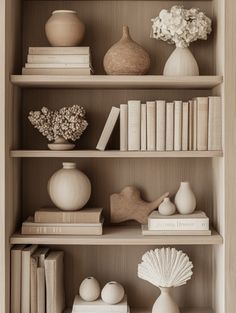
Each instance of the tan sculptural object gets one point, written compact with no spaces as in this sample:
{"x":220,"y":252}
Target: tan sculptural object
{"x":128,"y":205}
{"x":126,"y":57}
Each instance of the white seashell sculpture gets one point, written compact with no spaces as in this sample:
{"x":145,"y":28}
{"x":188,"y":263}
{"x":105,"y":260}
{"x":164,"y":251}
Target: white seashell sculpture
{"x":165,"y":268}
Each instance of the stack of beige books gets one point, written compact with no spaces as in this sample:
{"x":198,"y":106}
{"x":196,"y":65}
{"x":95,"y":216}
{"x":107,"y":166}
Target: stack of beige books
{"x":58,"y":61}
{"x":58,"y":222}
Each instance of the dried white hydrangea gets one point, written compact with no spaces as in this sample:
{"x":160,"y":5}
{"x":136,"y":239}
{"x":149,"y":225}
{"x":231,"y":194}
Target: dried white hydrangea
{"x":68,"y":122}
{"x":181,"y":26}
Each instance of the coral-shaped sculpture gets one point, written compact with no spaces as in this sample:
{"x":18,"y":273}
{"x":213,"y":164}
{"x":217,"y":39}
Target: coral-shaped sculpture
{"x":165,"y":268}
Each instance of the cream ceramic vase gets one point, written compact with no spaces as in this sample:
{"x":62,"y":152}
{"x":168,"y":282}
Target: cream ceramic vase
{"x":64,"y":29}
{"x":60,"y":144}
{"x":165,"y":303}
{"x":167,"y":207}
{"x":89,"y":289}
{"x":181,"y":63}
{"x":185,"y":199}
{"x":126,"y":57}
{"x":112,"y":293}
{"x":69,"y":188}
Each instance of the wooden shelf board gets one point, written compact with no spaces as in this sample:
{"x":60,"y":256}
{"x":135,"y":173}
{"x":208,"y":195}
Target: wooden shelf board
{"x":117,"y":82}
{"x":146,"y":310}
{"x":117,"y":235}
{"x":113,"y":154}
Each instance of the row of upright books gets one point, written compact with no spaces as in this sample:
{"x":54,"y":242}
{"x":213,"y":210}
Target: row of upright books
{"x":167,"y":126}
{"x":58,"y":61}
{"x":37,"y":282}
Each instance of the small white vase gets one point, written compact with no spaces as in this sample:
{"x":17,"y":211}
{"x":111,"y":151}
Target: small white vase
{"x":181,"y":63}
{"x":165,"y":303}
{"x":69,"y":188}
{"x":167,"y":207}
{"x":112,"y":293}
{"x":60,"y":144}
{"x":89,"y":289}
{"x":185,"y":199}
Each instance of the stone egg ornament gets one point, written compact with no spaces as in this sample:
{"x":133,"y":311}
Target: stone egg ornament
{"x":89,"y":289}
{"x":112,"y":293}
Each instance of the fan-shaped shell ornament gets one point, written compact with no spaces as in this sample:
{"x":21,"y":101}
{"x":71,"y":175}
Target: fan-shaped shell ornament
{"x":165,"y":268}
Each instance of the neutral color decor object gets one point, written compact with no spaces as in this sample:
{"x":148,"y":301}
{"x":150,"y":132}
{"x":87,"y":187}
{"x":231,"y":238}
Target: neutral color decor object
{"x":180,"y":26}
{"x":134,"y":125}
{"x":151,"y":125}
{"x":69,"y":188}
{"x":60,"y":126}
{"x":185,"y":199}
{"x":143,"y":126}
{"x":128,"y":205}
{"x":167,"y":207}
{"x":215,"y":124}
{"x":178,"y":125}
{"x":126,"y":57}
{"x":165,"y":268}
{"x":123,"y":127}
{"x":202,"y":123}
{"x":113,"y":293}
{"x":89,"y":289}
{"x":149,"y":232}
{"x":160,"y":125}
{"x":169,"y":126}
{"x":64,"y":29}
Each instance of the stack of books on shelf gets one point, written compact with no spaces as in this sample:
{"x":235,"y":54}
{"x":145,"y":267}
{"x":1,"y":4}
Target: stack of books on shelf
{"x":195,"y":224}
{"x":37,"y":284}
{"x":58,"y":61}
{"x":194,"y":125}
{"x":57,"y":222}
{"x":98,"y":306}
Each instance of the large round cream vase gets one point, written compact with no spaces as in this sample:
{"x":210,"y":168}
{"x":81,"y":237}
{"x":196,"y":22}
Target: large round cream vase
{"x":64,"y":29}
{"x":69,"y":188}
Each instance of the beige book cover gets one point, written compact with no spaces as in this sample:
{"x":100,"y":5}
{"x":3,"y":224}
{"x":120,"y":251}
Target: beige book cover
{"x":202,"y":123}
{"x":190,"y":125}
{"x":151,"y":125}
{"x":134,"y":125}
{"x":57,"y":71}
{"x":56,"y":58}
{"x":143,"y":127}
{"x":123,"y":127}
{"x":59,"y":50}
{"x":41,"y":290}
{"x":195,"y":124}
{"x":147,"y":232}
{"x":178,"y":126}
{"x":215,"y":124}
{"x":34,"y":263}
{"x":185,"y":126}
{"x":169,"y":126}
{"x":160,"y":125}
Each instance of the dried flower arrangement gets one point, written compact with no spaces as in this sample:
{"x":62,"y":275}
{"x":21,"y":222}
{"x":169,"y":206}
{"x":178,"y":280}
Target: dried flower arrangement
{"x":68,"y":123}
{"x":181,"y":26}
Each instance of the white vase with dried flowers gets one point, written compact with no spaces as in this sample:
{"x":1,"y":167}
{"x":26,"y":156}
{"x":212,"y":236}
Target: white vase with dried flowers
{"x":181,"y":26}
{"x":62,"y":126}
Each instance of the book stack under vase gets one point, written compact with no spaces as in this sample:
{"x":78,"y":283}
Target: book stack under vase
{"x":58,"y":222}
{"x":99,"y":306}
{"x":58,"y":61}
{"x":194,"y":125}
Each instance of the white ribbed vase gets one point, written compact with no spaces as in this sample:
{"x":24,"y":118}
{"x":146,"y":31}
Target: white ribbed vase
{"x":165,"y":303}
{"x":185,"y":199}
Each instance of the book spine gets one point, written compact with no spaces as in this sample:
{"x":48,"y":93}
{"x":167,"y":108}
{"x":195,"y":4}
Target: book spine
{"x":45,"y":59}
{"x":15,"y":281}
{"x":215,"y":124}
{"x":195,"y":130}
{"x":143,"y":126}
{"x":185,"y":127}
{"x":33,"y":285}
{"x":60,"y":230}
{"x":25,"y":281}
{"x":59,"y":50}
{"x":202,"y":123}
{"x":77,"y":217}
{"x":178,"y":126}
{"x":123,"y":127}
{"x":151,"y":126}
{"x":41,"y":290}
{"x":169,"y":126}
{"x":160,"y":125}
{"x":57,"y":65}
{"x":56,"y":71}
{"x":50,"y":286}
{"x":134,"y":125}
{"x":178,"y":224}
{"x":190,"y":125}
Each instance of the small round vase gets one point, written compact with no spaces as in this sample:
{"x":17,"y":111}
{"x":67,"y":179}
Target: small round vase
{"x":60,"y":144}
{"x":112,"y":293}
{"x":89,"y":289}
{"x":64,"y":29}
{"x":69,"y":188}
{"x":185,"y":199}
{"x":167,"y":207}
{"x":181,"y":63}
{"x":126,"y":57}
{"x":165,"y":303}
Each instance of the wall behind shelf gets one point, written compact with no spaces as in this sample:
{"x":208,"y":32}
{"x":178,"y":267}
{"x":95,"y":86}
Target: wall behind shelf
{"x":104,"y":20}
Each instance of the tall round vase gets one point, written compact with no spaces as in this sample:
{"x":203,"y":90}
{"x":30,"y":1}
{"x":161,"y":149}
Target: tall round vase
{"x":165,"y":303}
{"x":69,"y":188}
{"x":181,"y":63}
{"x":185,"y":199}
{"x":64,"y":29}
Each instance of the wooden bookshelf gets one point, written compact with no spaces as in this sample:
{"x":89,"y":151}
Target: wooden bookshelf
{"x":144,"y":310}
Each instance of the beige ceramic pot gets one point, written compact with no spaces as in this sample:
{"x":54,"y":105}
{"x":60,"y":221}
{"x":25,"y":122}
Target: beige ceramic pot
{"x":64,"y":29}
{"x":126,"y":57}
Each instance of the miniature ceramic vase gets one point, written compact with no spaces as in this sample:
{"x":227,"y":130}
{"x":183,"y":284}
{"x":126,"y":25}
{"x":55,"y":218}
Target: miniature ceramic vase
{"x":126,"y":57}
{"x":89,"y":289}
{"x":167,"y":207}
{"x":165,"y":303}
{"x":181,"y":63}
{"x":112,"y":293}
{"x":64,"y":29}
{"x":69,"y":188}
{"x":185,"y":200}
{"x":60,"y":144}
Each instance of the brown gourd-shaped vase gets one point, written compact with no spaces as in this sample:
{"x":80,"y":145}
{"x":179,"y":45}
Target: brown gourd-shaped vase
{"x":126,"y":57}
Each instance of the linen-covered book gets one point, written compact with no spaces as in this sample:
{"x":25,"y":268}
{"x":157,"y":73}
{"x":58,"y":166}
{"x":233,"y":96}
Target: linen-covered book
{"x":41,"y":290}
{"x":169,"y":126}
{"x":134,"y":125}
{"x":143,"y":127}
{"x":160,"y":125}
{"x":54,"y":215}
{"x":151,"y":125}
{"x":123,"y":127}
{"x":185,"y":126}
{"x":59,"y":50}
{"x":57,"y":71}
{"x":195,"y":124}
{"x":148,"y":232}
{"x":54,"y":58}
{"x":178,"y":126}
{"x":202,"y":123}
{"x":215,"y":124}
{"x":190,"y":125}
